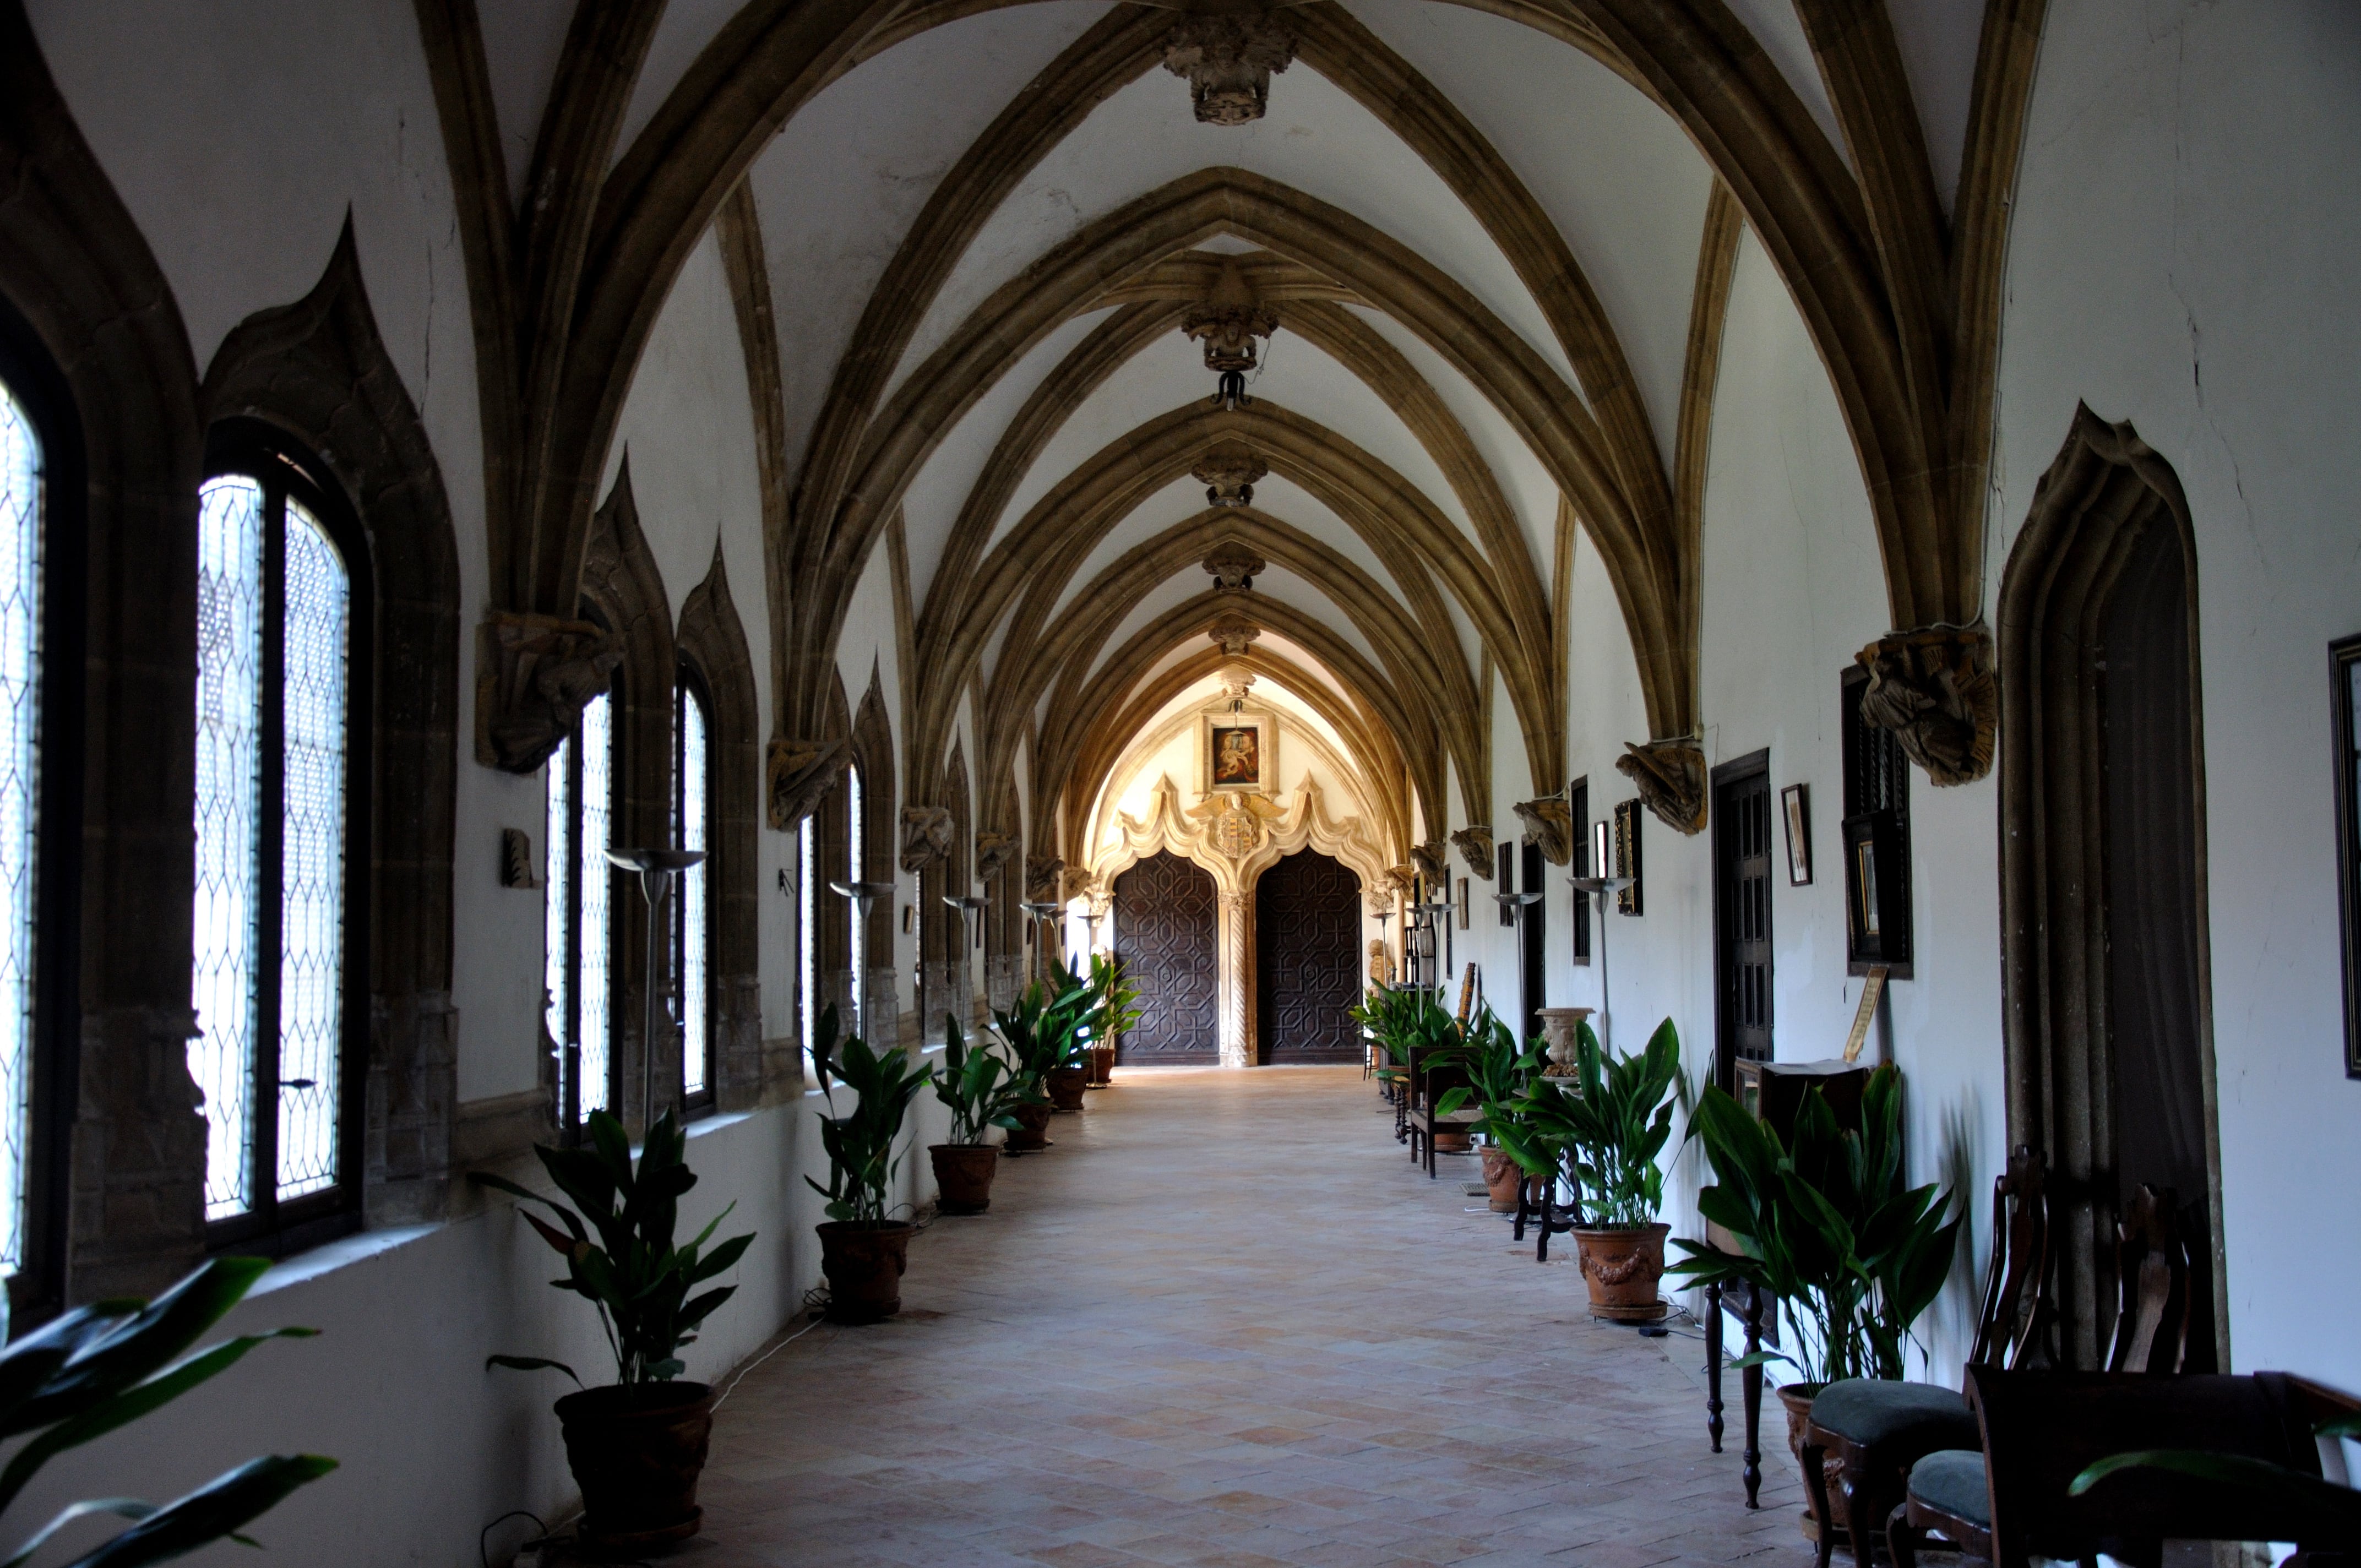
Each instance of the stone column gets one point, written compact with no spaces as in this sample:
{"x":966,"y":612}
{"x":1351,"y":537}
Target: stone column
{"x":1236,"y":933}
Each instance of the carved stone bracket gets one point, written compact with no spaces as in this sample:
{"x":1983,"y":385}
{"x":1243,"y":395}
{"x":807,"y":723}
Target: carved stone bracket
{"x":1234,"y":564}
{"x":1232,"y":632}
{"x":1043,"y":873}
{"x":1228,"y":472}
{"x":795,"y":774}
{"x":1670,"y":777}
{"x":1433,"y":863}
{"x":926,"y":836}
{"x":993,"y":850}
{"x":1549,"y":826}
{"x":1933,"y":689}
{"x":1228,"y":61}
{"x":1229,"y":320}
{"x":1474,"y":845}
{"x":533,"y":673}
{"x":1398,"y":880}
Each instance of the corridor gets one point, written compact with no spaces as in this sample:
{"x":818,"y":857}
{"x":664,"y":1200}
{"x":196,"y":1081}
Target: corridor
{"x":1224,"y":1321}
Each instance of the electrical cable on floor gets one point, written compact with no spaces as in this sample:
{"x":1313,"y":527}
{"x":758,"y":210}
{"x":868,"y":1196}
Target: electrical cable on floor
{"x":483,"y":1537}
{"x":766,"y":1355}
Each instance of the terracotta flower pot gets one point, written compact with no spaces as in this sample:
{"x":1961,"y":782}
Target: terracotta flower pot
{"x":1102,"y":1067}
{"x":863,"y":1260}
{"x":1623,"y":1268}
{"x":636,"y":1453}
{"x":1798,"y":1398}
{"x":963,"y":1176}
{"x":1501,"y":1175}
{"x":1031,"y":1124}
{"x":1066,"y":1086}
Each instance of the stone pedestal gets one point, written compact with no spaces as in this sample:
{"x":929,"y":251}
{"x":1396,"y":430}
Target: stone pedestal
{"x":1558,"y":1028}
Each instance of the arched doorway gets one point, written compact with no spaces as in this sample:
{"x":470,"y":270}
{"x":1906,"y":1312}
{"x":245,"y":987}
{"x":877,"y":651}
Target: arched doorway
{"x":2106,"y":962}
{"x":1307,"y":959}
{"x":1165,"y":941}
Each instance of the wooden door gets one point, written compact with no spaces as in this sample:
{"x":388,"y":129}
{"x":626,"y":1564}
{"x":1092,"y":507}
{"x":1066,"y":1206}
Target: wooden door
{"x":1741,"y":907}
{"x":1307,"y":959}
{"x":1164,"y":939}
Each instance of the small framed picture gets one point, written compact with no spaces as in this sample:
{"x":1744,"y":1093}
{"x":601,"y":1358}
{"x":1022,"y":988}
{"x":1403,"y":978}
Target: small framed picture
{"x":1795,"y":801}
{"x":1463,"y":904}
{"x":905,"y":920}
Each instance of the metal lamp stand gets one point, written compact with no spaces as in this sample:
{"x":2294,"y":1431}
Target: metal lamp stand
{"x":1601,"y":887}
{"x":864,"y":897}
{"x":1040,"y":910}
{"x":656,"y":869}
{"x":1435,"y":918}
{"x":967,"y":904}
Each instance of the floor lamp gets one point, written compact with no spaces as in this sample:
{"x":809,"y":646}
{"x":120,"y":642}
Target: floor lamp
{"x":656,"y":869}
{"x":864,"y":897}
{"x":1519,"y":903}
{"x":1040,"y":909}
{"x":1599,"y":887}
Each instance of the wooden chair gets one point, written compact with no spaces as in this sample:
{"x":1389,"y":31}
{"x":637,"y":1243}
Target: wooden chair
{"x":1869,"y":1431}
{"x":2039,"y":1430}
{"x":2150,"y":1339}
{"x":1428,"y":1086}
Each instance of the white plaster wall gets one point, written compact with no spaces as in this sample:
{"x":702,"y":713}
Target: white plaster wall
{"x":2181,"y":259}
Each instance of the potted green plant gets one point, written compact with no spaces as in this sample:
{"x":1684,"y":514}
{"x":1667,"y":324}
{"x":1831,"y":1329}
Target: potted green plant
{"x":1498,"y":1071}
{"x":1612,"y":1121}
{"x":636,"y":1446}
{"x":863,"y":1248}
{"x":1064,"y":1039}
{"x":1828,"y":1230}
{"x":983,"y":1092}
{"x":98,"y":1368}
{"x":1114,"y":1010}
{"x":1038,"y":1030}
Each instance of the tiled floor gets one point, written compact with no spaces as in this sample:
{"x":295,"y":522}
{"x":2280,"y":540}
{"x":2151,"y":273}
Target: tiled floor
{"x":1225,"y":1322}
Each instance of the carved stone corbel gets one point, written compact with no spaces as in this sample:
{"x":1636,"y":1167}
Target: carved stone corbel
{"x":795,"y":774}
{"x":1043,"y":873}
{"x":1549,"y":826}
{"x":1432,"y":862}
{"x":1228,"y":60}
{"x":1234,"y":632}
{"x":1670,"y":777}
{"x":1228,"y":472}
{"x":926,"y":836}
{"x":1234,"y":566}
{"x":1475,"y":844}
{"x":1398,"y":880}
{"x":1933,"y":689}
{"x":993,"y":850}
{"x":533,"y":673}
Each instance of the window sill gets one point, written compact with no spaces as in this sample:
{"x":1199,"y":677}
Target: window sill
{"x":330,"y":1257}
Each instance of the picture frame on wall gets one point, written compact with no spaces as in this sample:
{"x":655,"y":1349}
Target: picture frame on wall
{"x":1627,"y":857}
{"x":1795,"y":806}
{"x":2344,"y":710}
{"x":1463,"y":904}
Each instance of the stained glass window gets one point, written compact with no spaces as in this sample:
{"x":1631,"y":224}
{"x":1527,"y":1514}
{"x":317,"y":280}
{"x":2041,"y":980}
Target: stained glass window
{"x":20,"y":756}
{"x":692,"y":918}
{"x":272,"y":822}
{"x":578,"y":929}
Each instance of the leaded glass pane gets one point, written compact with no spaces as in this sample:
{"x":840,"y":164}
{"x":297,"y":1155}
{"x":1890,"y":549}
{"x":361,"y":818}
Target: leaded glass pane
{"x":20,"y":758}
{"x":807,"y":930}
{"x":312,"y":858}
{"x":556,"y":967}
{"x":229,"y":820}
{"x":695,"y":927}
{"x":857,"y":867}
{"x":598,"y":887}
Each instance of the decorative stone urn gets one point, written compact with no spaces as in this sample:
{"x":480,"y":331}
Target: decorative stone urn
{"x":1558,"y":1028}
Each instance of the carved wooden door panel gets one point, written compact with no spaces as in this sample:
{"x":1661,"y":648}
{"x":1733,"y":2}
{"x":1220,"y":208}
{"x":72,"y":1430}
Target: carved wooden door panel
{"x":1164,"y":939}
{"x":1307,"y":959}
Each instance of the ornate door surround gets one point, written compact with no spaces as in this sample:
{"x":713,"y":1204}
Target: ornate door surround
{"x":1307,"y":959}
{"x":1166,"y":939}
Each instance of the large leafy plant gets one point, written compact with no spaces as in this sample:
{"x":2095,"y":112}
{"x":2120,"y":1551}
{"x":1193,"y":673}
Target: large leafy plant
{"x":860,"y":1143}
{"x":1612,"y":1122}
{"x":979,"y":1085}
{"x":1115,"y":1002}
{"x":1408,"y":1023}
{"x":1043,"y":1026}
{"x":637,"y":1281}
{"x":1499,"y":1071}
{"x":103,"y":1367}
{"x":2309,"y":1508}
{"x":1827,"y":1226}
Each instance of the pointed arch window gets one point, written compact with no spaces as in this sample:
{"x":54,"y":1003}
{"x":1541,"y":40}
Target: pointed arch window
{"x":692,"y":905}
{"x":40,"y":706}
{"x":280,"y":977}
{"x":578,"y":926}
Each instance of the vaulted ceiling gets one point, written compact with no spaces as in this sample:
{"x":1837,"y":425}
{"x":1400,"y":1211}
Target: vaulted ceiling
{"x":964,"y":235}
